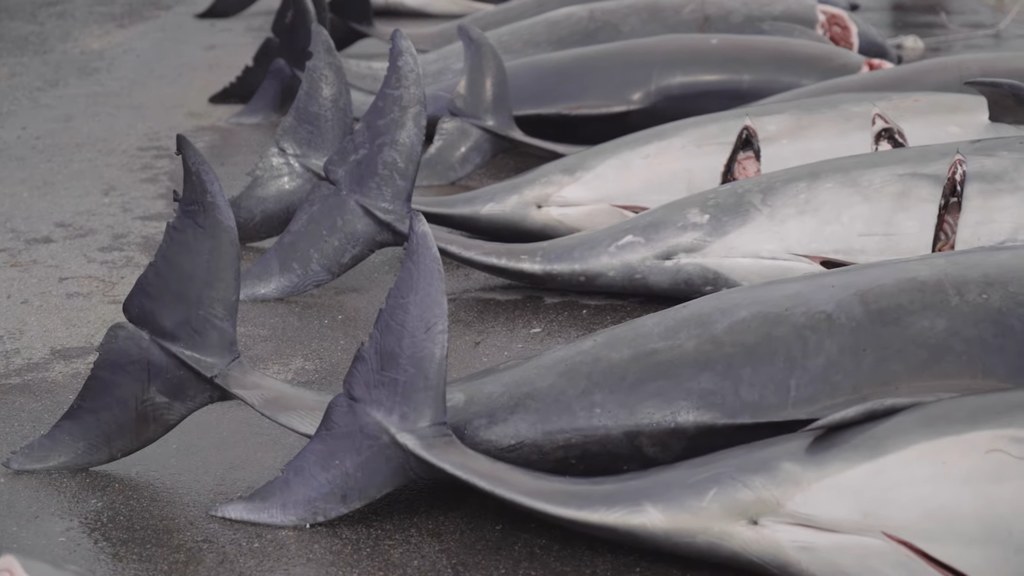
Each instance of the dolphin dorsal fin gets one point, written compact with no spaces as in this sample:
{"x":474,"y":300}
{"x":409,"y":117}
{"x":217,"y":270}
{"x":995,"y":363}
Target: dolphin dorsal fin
{"x":745,"y":159}
{"x":1005,"y":98}
{"x":886,"y":134}
{"x":950,"y":205}
{"x":872,"y":410}
{"x":483,"y":93}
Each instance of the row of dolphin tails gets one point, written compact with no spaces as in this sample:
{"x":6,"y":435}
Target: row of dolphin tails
{"x":838,"y":391}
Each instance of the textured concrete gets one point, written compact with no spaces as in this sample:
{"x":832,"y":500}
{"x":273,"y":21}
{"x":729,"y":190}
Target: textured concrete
{"x":91,"y":96}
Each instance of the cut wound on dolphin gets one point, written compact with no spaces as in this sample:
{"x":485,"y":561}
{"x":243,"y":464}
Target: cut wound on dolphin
{"x":950,"y":206}
{"x":745,"y":159}
{"x":836,"y":25}
{"x":872,"y":64}
{"x":885,"y":133}
{"x":940,"y":567}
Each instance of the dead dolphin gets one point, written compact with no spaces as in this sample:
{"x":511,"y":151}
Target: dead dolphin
{"x":611,"y":182}
{"x":607,"y":21}
{"x":432,"y":7}
{"x":801,"y":220}
{"x":902,"y":485}
{"x":318,"y":122}
{"x":597,"y":93}
{"x":939,"y":74}
{"x":364,"y":203}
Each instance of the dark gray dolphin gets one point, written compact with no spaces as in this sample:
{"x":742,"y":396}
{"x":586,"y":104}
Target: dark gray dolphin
{"x":599,"y":23}
{"x":940,"y":74}
{"x":390,"y":419}
{"x":796,"y":221}
{"x":225,"y":8}
{"x":364,"y":204}
{"x":593,"y":94}
{"x":903,"y":485}
{"x":318,"y":122}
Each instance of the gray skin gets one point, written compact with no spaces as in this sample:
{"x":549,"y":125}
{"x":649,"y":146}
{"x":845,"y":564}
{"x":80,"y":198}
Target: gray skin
{"x":597,"y":93}
{"x":941,"y":74}
{"x":598,"y":23}
{"x":904,"y":483}
{"x":856,"y":209}
{"x":319,"y":120}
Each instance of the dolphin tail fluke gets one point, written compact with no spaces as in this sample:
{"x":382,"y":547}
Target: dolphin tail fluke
{"x":272,"y":98}
{"x":225,"y":8}
{"x":483,"y":96}
{"x":135,"y":394}
{"x":394,"y":386}
{"x":248,"y":81}
{"x":152,"y":374}
{"x":365,"y":205}
{"x":319,"y":120}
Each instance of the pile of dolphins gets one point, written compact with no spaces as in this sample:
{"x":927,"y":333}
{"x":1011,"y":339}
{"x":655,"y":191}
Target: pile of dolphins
{"x":837,"y":389}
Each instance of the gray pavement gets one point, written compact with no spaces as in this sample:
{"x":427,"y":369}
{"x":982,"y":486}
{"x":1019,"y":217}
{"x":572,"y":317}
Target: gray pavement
{"x":91,"y":96}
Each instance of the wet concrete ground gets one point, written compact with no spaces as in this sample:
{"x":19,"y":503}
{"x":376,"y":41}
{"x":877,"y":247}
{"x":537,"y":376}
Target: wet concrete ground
{"x":91,"y":96}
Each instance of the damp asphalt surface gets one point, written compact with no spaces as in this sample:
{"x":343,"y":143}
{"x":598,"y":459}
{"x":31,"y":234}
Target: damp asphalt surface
{"x":91,"y":97}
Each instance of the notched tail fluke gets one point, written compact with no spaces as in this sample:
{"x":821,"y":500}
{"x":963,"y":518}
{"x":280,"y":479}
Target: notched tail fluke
{"x":394,"y":385}
{"x":886,"y":134}
{"x":745,"y":159}
{"x":950,"y":205}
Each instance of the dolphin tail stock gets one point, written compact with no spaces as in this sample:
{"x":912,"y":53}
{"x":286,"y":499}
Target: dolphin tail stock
{"x":225,"y":8}
{"x":319,"y":119}
{"x":365,"y":204}
{"x":1005,"y":98}
{"x":395,"y":383}
{"x":290,"y":41}
{"x":150,"y":375}
{"x":483,"y":98}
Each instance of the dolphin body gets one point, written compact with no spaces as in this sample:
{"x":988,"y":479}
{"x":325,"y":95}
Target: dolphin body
{"x":940,"y":74}
{"x":610,"y":183}
{"x":856,"y":209}
{"x":698,"y":377}
{"x":904,"y":485}
{"x":615,"y":20}
{"x":432,"y":7}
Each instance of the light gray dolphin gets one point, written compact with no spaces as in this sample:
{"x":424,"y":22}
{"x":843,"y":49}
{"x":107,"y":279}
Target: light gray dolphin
{"x":940,"y":74}
{"x":609,"y":21}
{"x":801,"y":220}
{"x":317,"y":123}
{"x":903,"y":484}
{"x":610,"y":183}
{"x":919,"y":485}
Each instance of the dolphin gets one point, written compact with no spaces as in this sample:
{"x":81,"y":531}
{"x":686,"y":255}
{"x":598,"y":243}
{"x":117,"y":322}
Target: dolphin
{"x":940,"y":74}
{"x":432,"y":7}
{"x":318,"y":121}
{"x":613,"y":20}
{"x":610,"y":183}
{"x":363,"y":204}
{"x":696,"y":378}
{"x":622,"y":87}
{"x":902,"y":485}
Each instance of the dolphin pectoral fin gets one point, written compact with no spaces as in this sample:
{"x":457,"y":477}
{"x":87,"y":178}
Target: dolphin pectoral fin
{"x":395,"y":384}
{"x":482,"y":95}
{"x":1005,"y":98}
{"x":886,"y":134}
{"x":225,"y":8}
{"x":458,"y":149}
{"x":273,"y":98}
{"x":365,"y":204}
{"x":136,"y":393}
{"x":826,"y":262}
{"x":872,"y":410}
{"x":745,"y":158}
{"x":950,"y":205}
